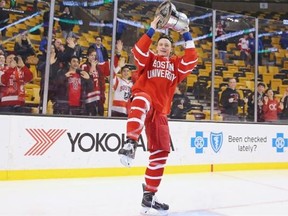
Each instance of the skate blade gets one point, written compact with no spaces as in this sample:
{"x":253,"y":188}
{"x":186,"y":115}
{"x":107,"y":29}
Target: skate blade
{"x":126,"y":161}
{"x":153,"y":212}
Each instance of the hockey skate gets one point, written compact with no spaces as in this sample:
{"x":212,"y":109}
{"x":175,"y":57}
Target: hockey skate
{"x":127,"y":153}
{"x":151,"y":206}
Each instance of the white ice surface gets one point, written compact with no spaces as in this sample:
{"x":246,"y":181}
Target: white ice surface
{"x":248,"y":193}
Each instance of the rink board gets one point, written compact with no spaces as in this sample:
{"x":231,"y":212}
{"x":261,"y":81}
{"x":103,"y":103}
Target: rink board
{"x":53,"y":147}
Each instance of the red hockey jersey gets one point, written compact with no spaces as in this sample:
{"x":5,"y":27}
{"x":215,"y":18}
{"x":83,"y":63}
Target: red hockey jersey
{"x":12,"y":81}
{"x":98,"y":75}
{"x":158,"y":76}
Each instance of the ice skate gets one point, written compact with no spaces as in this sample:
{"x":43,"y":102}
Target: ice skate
{"x":151,"y":206}
{"x":127,"y":153}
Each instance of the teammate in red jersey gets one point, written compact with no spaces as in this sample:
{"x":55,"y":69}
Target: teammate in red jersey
{"x":158,"y":75}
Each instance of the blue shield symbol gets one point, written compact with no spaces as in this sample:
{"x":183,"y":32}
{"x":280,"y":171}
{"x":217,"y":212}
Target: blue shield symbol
{"x":216,"y":140}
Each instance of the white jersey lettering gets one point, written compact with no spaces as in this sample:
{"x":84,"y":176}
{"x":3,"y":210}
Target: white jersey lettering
{"x":162,"y":69}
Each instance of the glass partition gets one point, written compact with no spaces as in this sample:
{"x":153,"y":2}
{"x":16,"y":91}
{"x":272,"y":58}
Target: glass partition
{"x":198,"y":82}
{"x":85,"y":38}
{"x":273,"y":70}
{"x":234,"y":64}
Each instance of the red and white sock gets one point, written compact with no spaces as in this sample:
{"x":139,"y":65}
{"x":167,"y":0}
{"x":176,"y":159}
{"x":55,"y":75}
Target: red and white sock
{"x":140,"y":106}
{"x":155,"y":170}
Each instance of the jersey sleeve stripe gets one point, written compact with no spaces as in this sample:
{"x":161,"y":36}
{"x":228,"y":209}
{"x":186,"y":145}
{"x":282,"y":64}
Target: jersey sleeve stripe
{"x":139,"y":63}
{"x":140,"y":51}
{"x":186,"y":71}
{"x":188,"y":63}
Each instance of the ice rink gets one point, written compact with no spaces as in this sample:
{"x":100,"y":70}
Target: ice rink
{"x":200,"y":194}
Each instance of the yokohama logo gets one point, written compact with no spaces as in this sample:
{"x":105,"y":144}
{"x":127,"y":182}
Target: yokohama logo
{"x":44,"y":140}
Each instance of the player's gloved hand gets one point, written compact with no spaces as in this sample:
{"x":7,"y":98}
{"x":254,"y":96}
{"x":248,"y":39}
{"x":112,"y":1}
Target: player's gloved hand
{"x":186,"y":29}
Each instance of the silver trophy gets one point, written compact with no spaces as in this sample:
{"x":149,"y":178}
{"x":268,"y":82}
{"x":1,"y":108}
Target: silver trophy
{"x":170,"y":17}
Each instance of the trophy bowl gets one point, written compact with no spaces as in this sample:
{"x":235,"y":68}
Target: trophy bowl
{"x":170,"y":17}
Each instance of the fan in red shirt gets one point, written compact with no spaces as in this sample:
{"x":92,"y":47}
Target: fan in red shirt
{"x":13,"y":78}
{"x":271,"y":106}
{"x":71,"y":85}
{"x":158,"y":75}
{"x":97,"y":71}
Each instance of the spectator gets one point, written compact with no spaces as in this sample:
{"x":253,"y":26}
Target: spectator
{"x":2,"y":61}
{"x":122,"y":90}
{"x":181,"y":103}
{"x":252,"y":49}
{"x":44,"y":41}
{"x":230,"y":101}
{"x":4,"y":17}
{"x":35,"y":6}
{"x":23,"y":46}
{"x":78,"y":50}
{"x":12,"y":81}
{"x":13,"y":4}
{"x":66,"y":23}
{"x":284,"y":101}
{"x":220,"y":28}
{"x":102,"y":53}
{"x":46,"y":18}
{"x":71,"y":85}
{"x":64,"y":52}
{"x":121,"y":27}
{"x":96,"y":95}
{"x":243,"y":46}
{"x":2,"y":50}
{"x":251,"y":102}
{"x":284,"y":40}
{"x":222,"y":46}
{"x":271,"y":106}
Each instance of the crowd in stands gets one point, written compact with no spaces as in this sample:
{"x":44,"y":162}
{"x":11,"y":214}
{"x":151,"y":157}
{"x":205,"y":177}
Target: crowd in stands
{"x":79,"y":76}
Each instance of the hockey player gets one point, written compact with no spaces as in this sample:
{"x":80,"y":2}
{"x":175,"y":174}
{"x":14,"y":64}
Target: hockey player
{"x":158,"y":75}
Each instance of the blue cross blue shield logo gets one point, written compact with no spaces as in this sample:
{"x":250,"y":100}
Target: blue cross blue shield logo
{"x":279,"y":142}
{"x":216,"y":140}
{"x":199,"y":142}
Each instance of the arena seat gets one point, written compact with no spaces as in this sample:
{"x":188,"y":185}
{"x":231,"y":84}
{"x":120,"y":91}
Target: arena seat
{"x":249,"y":75}
{"x":275,"y":40}
{"x":227,"y":74}
{"x":275,"y":83}
{"x":233,"y":68}
{"x":33,"y":98}
{"x":239,"y":63}
{"x":273,"y":69}
{"x":282,"y":89}
{"x":266,"y":77}
{"x":190,"y":80}
{"x":204,"y":72}
{"x":278,"y":58}
{"x":262,"y":69}
{"x":250,"y":84}
{"x":36,"y":76}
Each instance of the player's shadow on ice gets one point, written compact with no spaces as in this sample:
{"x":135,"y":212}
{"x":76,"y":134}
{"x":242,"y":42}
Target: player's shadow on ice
{"x":195,"y":213}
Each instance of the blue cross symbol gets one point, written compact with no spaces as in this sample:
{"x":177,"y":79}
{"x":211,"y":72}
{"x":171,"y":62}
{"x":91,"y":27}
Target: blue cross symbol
{"x":280,"y":142}
{"x":199,"y":142}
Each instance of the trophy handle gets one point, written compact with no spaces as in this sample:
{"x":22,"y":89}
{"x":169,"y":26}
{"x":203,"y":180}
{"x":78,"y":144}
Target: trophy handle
{"x":164,"y":10}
